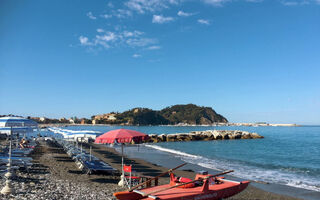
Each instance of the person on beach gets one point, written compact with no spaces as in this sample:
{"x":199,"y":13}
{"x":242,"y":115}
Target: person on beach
{"x":23,"y":143}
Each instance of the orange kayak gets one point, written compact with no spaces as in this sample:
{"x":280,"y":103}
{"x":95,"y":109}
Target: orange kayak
{"x":210,"y":189}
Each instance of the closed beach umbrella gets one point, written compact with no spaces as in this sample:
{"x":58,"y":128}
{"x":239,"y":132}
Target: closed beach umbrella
{"x":121,"y":136}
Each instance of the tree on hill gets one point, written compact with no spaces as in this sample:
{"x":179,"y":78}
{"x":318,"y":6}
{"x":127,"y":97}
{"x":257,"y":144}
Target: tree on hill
{"x":191,"y":114}
{"x":141,"y":116}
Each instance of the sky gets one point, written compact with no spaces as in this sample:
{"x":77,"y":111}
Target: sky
{"x":250,"y":60}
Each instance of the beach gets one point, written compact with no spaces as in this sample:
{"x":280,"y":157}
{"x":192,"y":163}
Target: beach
{"x":55,"y":176}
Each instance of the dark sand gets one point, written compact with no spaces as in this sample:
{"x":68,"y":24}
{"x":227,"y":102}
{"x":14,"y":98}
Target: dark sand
{"x":112,"y":157}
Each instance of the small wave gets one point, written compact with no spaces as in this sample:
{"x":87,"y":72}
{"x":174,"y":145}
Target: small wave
{"x":261,"y":174}
{"x":68,"y":131}
{"x":302,"y":185}
{"x":246,"y":171}
{"x":172,"y":151}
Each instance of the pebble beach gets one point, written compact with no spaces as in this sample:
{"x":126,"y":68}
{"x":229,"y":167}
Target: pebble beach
{"x":55,"y":176}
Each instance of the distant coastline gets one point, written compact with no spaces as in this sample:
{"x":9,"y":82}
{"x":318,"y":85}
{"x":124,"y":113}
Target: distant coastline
{"x":176,"y":115}
{"x":215,"y":124}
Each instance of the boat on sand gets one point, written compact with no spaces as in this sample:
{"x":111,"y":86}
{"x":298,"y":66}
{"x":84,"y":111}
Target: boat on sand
{"x":203,"y":187}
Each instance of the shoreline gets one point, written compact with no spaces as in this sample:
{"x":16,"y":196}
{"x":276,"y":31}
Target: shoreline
{"x":273,"y":188}
{"x":178,"y":125}
{"x":310,"y":193}
{"x":61,"y":177}
{"x":171,"y":161}
{"x":147,"y":168}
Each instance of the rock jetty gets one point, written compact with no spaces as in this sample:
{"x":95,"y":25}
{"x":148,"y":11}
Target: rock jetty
{"x":203,"y":136}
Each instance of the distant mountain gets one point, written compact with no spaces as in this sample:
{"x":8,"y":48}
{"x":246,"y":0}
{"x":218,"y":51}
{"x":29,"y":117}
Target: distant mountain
{"x":177,"y":114}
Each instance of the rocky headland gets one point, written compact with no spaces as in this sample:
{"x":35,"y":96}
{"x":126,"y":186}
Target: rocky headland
{"x":204,"y":136}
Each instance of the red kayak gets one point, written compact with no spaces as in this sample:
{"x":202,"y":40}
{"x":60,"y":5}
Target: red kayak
{"x":204,"y":187}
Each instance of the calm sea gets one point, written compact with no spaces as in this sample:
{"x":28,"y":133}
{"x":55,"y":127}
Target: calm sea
{"x":287,"y":155}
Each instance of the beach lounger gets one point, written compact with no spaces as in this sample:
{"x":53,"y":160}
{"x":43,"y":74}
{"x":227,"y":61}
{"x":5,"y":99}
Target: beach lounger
{"x":97,"y":166}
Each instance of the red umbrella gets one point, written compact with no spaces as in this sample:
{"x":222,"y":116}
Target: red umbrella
{"x":121,"y":136}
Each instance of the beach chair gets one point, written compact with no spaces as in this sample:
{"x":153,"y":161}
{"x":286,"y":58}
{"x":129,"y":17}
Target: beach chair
{"x":129,"y":179}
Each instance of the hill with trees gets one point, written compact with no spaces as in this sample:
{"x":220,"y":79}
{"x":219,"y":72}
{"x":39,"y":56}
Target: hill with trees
{"x":191,"y":114}
{"x":178,"y":114}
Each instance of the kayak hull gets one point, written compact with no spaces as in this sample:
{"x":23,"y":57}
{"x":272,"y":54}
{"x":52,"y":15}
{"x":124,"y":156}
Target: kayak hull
{"x":206,"y":192}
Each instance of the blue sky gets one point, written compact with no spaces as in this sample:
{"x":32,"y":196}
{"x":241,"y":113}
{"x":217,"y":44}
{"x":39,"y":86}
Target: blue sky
{"x":251,"y":60}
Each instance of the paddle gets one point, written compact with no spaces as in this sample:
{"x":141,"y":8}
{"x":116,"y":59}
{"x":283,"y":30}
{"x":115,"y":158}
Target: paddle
{"x":174,"y":186}
{"x":148,"y":181}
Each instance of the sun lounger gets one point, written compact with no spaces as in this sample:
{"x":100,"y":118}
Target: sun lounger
{"x":97,"y":166}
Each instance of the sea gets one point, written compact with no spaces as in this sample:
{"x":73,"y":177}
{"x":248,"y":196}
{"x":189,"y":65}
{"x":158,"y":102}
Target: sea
{"x":287,"y":156}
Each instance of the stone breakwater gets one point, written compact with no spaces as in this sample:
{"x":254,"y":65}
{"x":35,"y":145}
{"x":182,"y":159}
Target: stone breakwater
{"x":203,"y":136}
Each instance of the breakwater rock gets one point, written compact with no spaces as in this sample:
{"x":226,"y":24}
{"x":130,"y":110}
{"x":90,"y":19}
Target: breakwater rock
{"x":203,"y":136}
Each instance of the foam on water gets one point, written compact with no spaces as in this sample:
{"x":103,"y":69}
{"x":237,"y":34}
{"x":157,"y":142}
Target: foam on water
{"x":69,"y":131}
{"x":172,"y":151}
{"x":245,"y":171}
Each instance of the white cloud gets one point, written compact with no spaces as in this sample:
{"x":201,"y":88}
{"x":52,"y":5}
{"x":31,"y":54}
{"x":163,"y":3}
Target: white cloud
{"x":132,"y":33}
{"x":122,"y":13}
{"x":109,"y":36}
{"x":100,"y":30}
{"x":136,"y":55}
{"x":296,"y":3}
{"x":140,"y":42}
{"x":184,"y":14}
{"x":119,"y":38}
{"x":91,"y":16}
{"x":215,"y":2}
{"x":204,"y":21}
{"x":106,"y":16}
{"x":84,"y":41}
{"x":159,"y":19}
{"x":290,"y":3}
{"x":119,"y":13}
{"x":221,"y":2}
{"x":142,"y":6}
{"x":154,"y":47}
{"x":101,"y":43}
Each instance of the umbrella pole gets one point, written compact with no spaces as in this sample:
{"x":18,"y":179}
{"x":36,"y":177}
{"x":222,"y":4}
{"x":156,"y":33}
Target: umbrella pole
{"x":10,"y":151}
{"x":81,"y":145}
{"x":17,"y":142}
{"x":122,"y":158}
{"x":90,"y":153}
{"x":121,"y":182}
{"x":7,"y":189}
